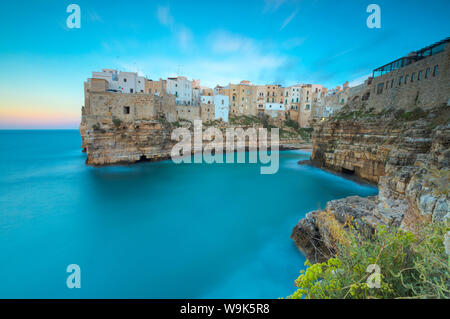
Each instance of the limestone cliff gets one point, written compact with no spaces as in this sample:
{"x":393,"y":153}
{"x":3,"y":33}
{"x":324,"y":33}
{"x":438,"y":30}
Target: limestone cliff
{"x":110,"y":141}
{"x":406,"y":153}
{"x":107,"y":142}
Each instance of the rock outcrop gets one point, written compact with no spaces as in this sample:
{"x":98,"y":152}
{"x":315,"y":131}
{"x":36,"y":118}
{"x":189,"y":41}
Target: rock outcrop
{"x":108,"y":143}
{"x":406,"y":153}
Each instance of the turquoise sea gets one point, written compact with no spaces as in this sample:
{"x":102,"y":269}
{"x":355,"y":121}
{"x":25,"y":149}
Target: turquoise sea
{"x":151,"y":230}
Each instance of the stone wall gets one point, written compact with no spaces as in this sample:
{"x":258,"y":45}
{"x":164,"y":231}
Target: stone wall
{"x":124,"y":106}
{"x":391,"y":89}
{"x":188,"y":113}
{"x":207,"y":112}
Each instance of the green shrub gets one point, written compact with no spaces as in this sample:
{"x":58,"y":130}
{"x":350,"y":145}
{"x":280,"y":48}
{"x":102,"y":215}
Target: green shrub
{"x":411,"y":266}
{"x":413,"y":115}
{"x":117,"y":121}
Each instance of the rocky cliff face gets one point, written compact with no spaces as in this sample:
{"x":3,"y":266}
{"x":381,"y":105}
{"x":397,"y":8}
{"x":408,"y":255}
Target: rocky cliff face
{"x":406,"y":153}
{"x":108,"y":143}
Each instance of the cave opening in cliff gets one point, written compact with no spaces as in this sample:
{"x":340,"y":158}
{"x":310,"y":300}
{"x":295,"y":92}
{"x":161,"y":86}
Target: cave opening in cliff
{"x":348,"y":171}
{"x":143,"y":158}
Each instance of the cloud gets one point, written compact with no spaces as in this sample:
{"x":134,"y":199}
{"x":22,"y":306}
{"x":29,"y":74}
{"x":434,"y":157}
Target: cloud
{"x":183,"y":34}
{"x":226,"y":58}
{"x":289,"y":19}
{"x":293,"y":43}
{"x":164,"y":16}
{"x":185,"y":38}
{"x":94,"y":16}
{"x":272,"y":5}
{"x":225,"y":42}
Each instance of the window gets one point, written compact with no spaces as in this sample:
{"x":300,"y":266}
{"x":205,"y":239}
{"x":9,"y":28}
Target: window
{"x":427,"y":73}
{"x":413,"y":77}
{"x":400,"y":80}
{"x":435,"y":70}
{"x":273,"y":100}
{"x":142,"y":91}
{"x":124,"y":80}
{"x":126,"y":110}
{"x":131,"y":90}
{"x":406,"y":79}
{"x":308,"y":106}
{"x":419,"y":76}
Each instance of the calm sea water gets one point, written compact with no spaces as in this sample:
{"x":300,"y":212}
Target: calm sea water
{"x":151,"y":230}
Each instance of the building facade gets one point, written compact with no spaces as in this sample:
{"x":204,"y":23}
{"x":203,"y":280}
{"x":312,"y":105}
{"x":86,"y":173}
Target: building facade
{"x":221,"y":107}
{"x":181,"y":87}
{"x":421,"y":79}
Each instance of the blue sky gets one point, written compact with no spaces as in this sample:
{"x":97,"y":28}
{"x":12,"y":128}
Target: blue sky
{"x":43,"y":63}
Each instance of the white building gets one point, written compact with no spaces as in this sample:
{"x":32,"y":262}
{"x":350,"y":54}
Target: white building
{"x":294,"y":97}
{"x":196,"y":96}
{"x":130,"y":82}
{"x":273,"y":108}
{"x":124,"y":82}
{"x":206,"y":99}
{"x":221,"y":107}
{"x":181,"y":87}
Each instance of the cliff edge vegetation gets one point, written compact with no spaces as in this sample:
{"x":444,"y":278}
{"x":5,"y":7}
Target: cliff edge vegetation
{"x":407,"y":154}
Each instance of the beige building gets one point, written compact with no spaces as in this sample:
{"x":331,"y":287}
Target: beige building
{"x":207,"y":112}
{"x":102,"y":105}
{"x":155,"y":87}
{"x":242,"y":99}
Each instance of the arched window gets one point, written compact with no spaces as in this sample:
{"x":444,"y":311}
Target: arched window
{"x":435,"y":70}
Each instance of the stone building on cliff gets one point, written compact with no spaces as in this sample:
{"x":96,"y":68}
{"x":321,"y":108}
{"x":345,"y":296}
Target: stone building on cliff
{"x":420,"y":79}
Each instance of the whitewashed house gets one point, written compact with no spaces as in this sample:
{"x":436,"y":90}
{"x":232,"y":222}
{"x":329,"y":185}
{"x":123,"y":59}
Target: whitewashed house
{"x":124,"y":82}
{"x":273,"y":109}
{"x":181,"y":87}
{"x":206,"y":99}
{"x":221,"y":107}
